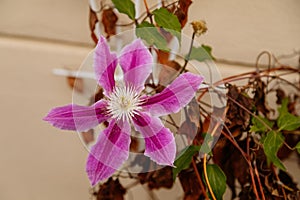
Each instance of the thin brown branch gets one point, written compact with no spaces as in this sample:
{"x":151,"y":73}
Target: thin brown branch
{"x":259,"y":183}
{"x":199,"y":179}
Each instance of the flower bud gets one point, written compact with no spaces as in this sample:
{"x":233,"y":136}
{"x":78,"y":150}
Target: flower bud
{"x":199,"y":27}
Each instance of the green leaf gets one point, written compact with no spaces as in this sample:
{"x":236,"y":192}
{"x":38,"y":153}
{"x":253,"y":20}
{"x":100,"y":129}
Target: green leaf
{"x":258,"y":126}
{"x":184,"y":159}
{"x":208,"y":49}
{"x":201,"y":53}
{"x":150,"y":34}
{"x":298,"y":147}
{"x":168,"y":21}
{"x":284,"y":106}
{"x":126,"y":7}
{"x":287,"y":121}
{"x":217,"y":180}
{"x":272,"y":143}
{"x":205,"y":147}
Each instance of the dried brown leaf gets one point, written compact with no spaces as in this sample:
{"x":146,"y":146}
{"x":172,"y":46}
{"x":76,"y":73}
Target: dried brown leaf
{"x":109,"y":20}
{"x":111,"y":190}
{"x":237,"y":116}
{"x":93,"y":19}
{"x":190,"y":185}
{"x":162,"y":178}
{"x":97,"y":96}
{"x":260,"y":97}
{"x":182,"y":11}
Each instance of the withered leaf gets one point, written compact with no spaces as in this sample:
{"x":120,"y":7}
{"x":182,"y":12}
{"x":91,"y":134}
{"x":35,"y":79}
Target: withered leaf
{"x":237,"y":116}
{"x":260,"y":97}
{"x":190,"y":185}
{"x":182,"y":11}
{"x":233,"y":164}
{"x":162,"y":178}
{"x":98,"y":96}
{"x":109,"y":20}
{"x":93,"y":19}
{"x":111,"y":190}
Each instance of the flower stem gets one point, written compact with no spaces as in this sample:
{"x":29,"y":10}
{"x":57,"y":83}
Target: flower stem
{"x":188,"y":55}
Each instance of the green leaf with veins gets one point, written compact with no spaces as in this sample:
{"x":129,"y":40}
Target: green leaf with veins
{"x":272,"y":142}
{"x":217,"y":180}
{"x":126,"y":7}
{"x":150,"y":34}
{"x":287,"y":121}
{"x":259,"y":126}
{"x":201,"y":53}
{"x":168,"y":21}
{"x":184,"y":159}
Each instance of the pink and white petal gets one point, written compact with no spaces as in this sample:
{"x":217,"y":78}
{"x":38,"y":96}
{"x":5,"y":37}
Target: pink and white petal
{"x":105,"y":64}
{"x":136,"y":62}
{"x":77,"y":118}
{"x":160,"y":143}
{"x":110,"y":151}
{"x":174,"y":97}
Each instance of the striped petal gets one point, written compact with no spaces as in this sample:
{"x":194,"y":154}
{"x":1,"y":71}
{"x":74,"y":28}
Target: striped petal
{"x":76,"y":117}
{"x":105,"y":64}
{"x":110,"y":151}
{"x":159,"y":141}
{"x":174,"y":97}
{"x":136,"y":62}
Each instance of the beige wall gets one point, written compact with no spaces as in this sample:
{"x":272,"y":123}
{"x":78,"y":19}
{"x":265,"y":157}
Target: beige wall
{"x":36,"y":36}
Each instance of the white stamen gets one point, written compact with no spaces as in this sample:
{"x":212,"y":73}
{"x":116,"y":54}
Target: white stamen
{"x":124,"y":102}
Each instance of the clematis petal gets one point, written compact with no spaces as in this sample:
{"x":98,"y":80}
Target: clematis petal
{"x":110,"y":151}
{"x":76,"y":117}
{"x":136,"y":62}
{"x":174,"y":97}
{"x":105,"y":64}
{"x":159,"y":141}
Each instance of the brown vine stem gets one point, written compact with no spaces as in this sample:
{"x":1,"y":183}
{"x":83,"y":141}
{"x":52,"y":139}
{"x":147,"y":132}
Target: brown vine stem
{"x":286,"y":81}
{"x":259,"y":182}
{"x":148,"y":11}
{"x":254,"y":73}
{"x":199,"y":179}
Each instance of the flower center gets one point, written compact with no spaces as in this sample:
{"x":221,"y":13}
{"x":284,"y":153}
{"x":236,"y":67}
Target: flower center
{"x":123,"y":103}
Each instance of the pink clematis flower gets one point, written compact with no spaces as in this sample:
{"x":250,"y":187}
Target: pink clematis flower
{"x":123,"y":104}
